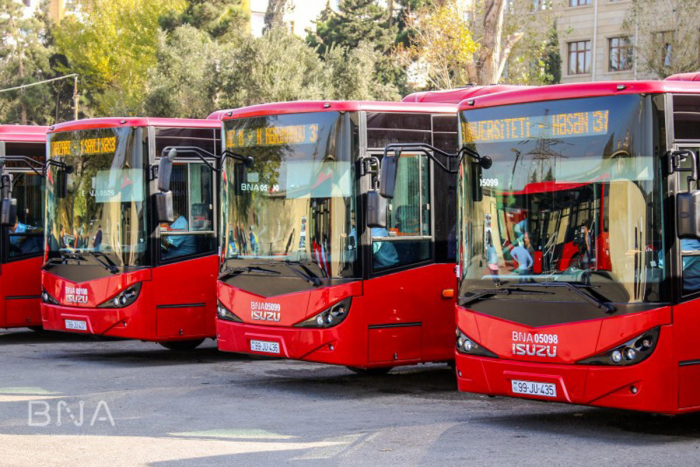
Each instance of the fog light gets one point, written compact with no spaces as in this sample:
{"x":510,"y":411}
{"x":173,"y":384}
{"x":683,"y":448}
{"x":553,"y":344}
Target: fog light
{"x":630,"y":353}
{"x":319,"y":320}
{"x":616,"y":356}
{"x":460,"y":342}
{"x":116,"y":301}
{"x":45,"y":297}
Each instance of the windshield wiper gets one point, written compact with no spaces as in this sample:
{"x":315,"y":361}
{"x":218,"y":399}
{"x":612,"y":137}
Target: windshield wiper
{"x":480,"y":294}
{"x":107,"y":263}
{"x":230,"y":272}
{"x":309,"y":277}
{"x":609,"y":307}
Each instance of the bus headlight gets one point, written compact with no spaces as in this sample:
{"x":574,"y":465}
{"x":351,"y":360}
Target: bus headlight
{"x":468,"y":346}
{"x":47,"y":298}
{"x":225,"y":314}
{"x":630,"y":353}
{"x":329,"y":317}
{"x":124,"y":298}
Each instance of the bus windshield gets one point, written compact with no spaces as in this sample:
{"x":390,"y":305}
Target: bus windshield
{"x":102,"y":217}
{"x":573,"y":197}
{"x":297,"y":202}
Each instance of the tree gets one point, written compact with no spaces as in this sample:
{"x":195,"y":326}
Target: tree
{"x":112,"y":44}
{"x":24,"y":59}
{"x":221,"y":19}
{"x":666,"y":34}
{"x":441,"y":45}
{"x":274,"y":15}
{"x":351,"y":75}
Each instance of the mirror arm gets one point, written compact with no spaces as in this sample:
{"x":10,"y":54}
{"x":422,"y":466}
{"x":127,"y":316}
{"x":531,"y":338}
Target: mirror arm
{"x":235,"y":156}
{"x":675,"y":158}
{"x":199,"y":152}
{"x":36,"y":166}
{"x":425,"y":149}
{"x":60,"y":165}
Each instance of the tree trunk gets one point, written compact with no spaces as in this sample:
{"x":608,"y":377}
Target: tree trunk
{"x":490,"y":53}
{"x":274,"y":15}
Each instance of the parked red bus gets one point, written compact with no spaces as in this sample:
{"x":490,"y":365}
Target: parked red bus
{"x":22,"y":150}
{"x":619,"y":336}
{"x":304,"y":275}
{"x":115,"y":265}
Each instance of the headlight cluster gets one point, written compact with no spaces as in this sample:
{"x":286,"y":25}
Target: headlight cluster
{"x":329,"y":317}
{"x":467,"y":346}
{"x":47,"y":298}
{"x":225,"y":314}
{"x":630,"y":353}
{"x":123,"y":299}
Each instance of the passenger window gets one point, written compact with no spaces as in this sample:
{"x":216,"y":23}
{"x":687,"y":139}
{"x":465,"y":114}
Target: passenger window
{"x":192,"y":232}
{"x":27,"y":235}
{"x":406,"y":240}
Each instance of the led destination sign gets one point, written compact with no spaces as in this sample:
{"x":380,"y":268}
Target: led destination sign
{"x":80,"y":147}
{"x":272,"y":136}
{"x":566,"y":125}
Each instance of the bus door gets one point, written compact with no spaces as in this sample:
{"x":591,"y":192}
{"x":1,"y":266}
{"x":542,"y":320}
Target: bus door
{"x":186,"y":276}
{"x":23,"y":243}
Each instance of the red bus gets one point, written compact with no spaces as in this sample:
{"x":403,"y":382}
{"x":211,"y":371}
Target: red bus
{"x":22,"y":150}
{"x":118,"y":261}
{"x":304,"y":274}
{"x":619,"y":336}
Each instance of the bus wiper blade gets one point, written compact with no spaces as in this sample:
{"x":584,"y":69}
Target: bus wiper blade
{"x":609,"y":307}
{"x":107,"y":263}
{"x":74,"y":256}
{"x":311,"y":278}
{"x":480,"y":294}
{"x":230,"y":272}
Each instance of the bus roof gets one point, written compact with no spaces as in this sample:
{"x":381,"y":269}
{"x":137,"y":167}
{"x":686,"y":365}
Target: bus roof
{"x":580,"y":90}
{"x":684,"y":77}
{"x":455,"y":96}
{"x":280,"y":108}
{"x":116,"y":122}
{"x":23,"y":133}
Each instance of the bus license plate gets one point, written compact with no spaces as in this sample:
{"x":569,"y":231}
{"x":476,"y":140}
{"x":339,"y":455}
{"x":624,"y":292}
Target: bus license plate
{"x":534,"y":389}
{"x":76,"y":325}
{"x":263,"y":346}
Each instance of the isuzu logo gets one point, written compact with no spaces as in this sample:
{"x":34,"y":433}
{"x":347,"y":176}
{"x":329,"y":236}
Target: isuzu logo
{"x":535,"y":345}
{"x":265,"y":311}
{"x":76,"y":295}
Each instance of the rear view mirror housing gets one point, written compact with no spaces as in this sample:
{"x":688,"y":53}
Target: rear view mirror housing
{"x":61,"y":188}
{"x":164,"y":207}
{"x":8,"y":205}
{"x":376,"y":210}
{"x":389,"y":171}
{"x":165,"y":170}
{"x":688,"y":215}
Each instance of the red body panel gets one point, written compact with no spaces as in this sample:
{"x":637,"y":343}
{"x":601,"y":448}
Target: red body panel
{"x":458,"y":95}
{"x":20,"y":292}
{"x":177,"y":302}
{"x":661,"y":385}
{"x":397,"y":319}
{"x":113,"y":122}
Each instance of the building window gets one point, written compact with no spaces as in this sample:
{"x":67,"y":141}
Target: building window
{"x":579,"y":2}
{"x":664,"y":41}
{"x":620,"y":53}
{"x":579,"y":57}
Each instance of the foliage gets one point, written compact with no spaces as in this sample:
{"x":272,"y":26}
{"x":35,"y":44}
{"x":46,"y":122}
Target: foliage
{"x":24,"y":59}
{"x":112,"y":45}
{"x":667,"y":35}
{"x":441,"y":44}
{"x":274,"y":15}
{"x":221,"y":19}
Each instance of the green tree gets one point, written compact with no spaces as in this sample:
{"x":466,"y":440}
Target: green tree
{"x":350,"y":75}
{"x":274,"y":15}
{"x":221,"y":19}
{"x":112,"y":44}
{"x":24,"y":59}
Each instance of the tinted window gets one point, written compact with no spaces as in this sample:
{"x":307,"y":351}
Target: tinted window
{"x":686,"y":117}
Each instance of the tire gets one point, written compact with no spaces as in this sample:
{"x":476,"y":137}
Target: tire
{"x":371,"y":371}
{"x":182,"y":346}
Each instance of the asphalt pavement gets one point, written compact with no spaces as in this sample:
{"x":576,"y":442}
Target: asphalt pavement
{"x":75,"y":400}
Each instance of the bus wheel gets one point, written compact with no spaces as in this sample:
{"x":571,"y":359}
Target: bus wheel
{"x":370,"y":371}
{"x":182,"y":346}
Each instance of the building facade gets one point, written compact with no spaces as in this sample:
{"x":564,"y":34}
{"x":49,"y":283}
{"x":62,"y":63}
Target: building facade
{"x":593,"y":43}
{"x":300,"y":15}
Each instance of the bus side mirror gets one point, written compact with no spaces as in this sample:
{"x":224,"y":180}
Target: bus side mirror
{"x":688,"y":214}
{"x":387,"y":180}
{"x":376,"y":210}
{"x":164,"y":207}
{"x":8,"y":205}
{"x":165,"y":170}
